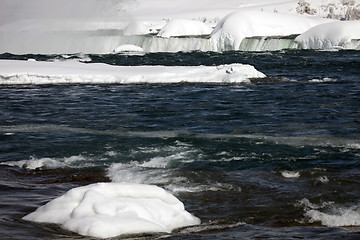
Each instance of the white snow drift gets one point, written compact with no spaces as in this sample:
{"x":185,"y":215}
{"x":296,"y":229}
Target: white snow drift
{"x":233,"y":28}
{"x":14,"y":72}
{"x":100,"y":26}
{"x":106,"y":210}
{"x":184,"y":27}
{"x":342,"y":34}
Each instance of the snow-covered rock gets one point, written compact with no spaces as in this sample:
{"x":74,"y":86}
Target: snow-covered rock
{"x":233,"y":28}
{"x":106,"y":210}
{"x":128,"y":48}
{"x":184,"y":27}
{"x":136,"y":28}
{"x":341,"y":34}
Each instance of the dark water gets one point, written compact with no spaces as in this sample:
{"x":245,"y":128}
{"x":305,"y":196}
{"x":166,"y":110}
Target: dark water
{"x":252,"y":161}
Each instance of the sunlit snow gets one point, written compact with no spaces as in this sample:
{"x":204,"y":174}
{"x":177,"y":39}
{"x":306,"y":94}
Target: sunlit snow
{"x":95,"y":26}
{"x":32,"y":72}
{"x":106,"y":210}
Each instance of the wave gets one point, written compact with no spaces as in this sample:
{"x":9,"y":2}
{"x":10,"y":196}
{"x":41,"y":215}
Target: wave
{"x":340,"y":217}
{"x":165,"y":166}
{"x":50,"y":163}
{"x":330,"y":214}
{"x":15,"y":72}
{"x":290,"y":174}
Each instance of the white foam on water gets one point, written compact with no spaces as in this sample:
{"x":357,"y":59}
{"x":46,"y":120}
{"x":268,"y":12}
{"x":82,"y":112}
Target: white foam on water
{"x":353,"y":145}
{"x":324,"y":80}
{"x":290,"y":174}
{"x":213,"y":187}
{"x":15,"y":72}
{"x":153,"y":172}
{"x":306,"y":204}
{"x":330,"y":214}
{"x":111,"y":153}
{"x":49,"y":163}
{"x":162,"y":168}
{"x":157,"y":169}
{"x":338,"y":217}
{"x":214,"y":225}
{"x":322,"y":179}
{"x":106,"y":210}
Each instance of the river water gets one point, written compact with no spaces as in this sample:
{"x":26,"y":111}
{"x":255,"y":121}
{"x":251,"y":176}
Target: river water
{"x":278,"y":158}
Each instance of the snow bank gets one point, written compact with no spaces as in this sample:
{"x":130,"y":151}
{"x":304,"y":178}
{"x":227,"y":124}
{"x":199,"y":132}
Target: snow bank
{"x":106,"y":210}
{"x":14,"y":72}
{"x":99,"y":27}
{"x":332,"y":35}
{"x":184,"y":27}
{"x":232,"y":29}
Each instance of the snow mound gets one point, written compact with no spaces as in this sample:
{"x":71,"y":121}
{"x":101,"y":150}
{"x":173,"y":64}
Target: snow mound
{"x":331,"y":35}
{"x":184,"y":27}
{"x":233,"y":28}
{"x":135,"y":28}
{"x":14,"y":72}
{"x":106,"y":210}
{"x":128,"y":48}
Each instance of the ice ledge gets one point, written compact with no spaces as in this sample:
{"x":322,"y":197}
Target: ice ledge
{"x":15,"y":72}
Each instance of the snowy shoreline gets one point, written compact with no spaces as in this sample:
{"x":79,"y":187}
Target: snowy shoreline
{"x":161,"y":26}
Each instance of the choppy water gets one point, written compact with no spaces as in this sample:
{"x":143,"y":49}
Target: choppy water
{"x":275,"y":159}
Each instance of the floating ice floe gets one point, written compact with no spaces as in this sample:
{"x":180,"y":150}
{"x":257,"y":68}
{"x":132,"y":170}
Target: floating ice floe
{"x":14,"y":72}
{"x":106,"y":210}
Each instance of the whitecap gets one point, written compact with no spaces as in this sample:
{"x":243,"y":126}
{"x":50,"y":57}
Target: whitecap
{"x":306,"y":204}
{"x":49,"y":163}
{"x":330,"y":214}
{"x":322,"y":179}
{"x":326,"y":79}
{"x":353,"y":145}
{"x":290,"y":174}
{"x":338,"y":217}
